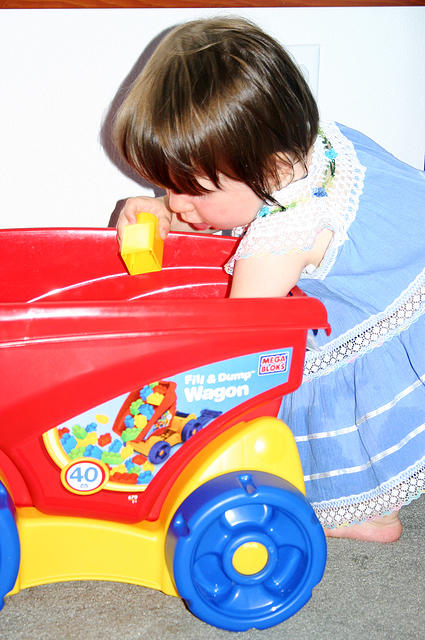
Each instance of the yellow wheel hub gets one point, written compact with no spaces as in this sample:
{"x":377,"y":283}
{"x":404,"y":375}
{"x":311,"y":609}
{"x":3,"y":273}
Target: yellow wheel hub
{"x":250,"y":558}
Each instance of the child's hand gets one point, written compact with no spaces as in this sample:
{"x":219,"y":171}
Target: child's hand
{"x":133,"y":206}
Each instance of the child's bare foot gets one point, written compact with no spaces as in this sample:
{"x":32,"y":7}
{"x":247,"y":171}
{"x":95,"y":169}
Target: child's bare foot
{"x":384,"y":529}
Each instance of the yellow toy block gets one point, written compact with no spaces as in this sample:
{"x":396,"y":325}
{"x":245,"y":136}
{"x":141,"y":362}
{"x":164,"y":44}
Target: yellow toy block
{"x":140,"y":421}
{"x":126,"y":452}
{"x":120,"y":468}
{"x":148,"y":466}
{"x":155,"y":399}
{"x":90,"y":438}
{"x":142,"y":246}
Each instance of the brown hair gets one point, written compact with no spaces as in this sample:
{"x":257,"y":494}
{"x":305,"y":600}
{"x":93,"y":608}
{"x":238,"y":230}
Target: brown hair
{"x":217,"y":96}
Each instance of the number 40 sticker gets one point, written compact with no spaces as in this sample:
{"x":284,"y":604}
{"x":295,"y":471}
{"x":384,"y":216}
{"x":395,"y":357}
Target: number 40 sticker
{"x":85,"y":476}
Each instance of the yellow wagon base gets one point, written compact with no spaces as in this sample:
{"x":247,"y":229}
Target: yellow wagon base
{"x":59,"y":548}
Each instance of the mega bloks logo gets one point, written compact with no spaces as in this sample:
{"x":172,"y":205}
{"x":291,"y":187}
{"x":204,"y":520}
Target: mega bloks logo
{"x":274,"y":363}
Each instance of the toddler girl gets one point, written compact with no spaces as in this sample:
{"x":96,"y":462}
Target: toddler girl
{"x":223,"y":121}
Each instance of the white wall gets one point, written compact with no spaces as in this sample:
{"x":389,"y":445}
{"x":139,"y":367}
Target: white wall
{"x":60,"y":71}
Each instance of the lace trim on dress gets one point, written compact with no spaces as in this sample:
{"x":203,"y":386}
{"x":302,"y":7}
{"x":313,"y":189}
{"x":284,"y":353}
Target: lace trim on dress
{"x":391,"y":496}
{"x":371,"y":333}
{"x":322,"y":200}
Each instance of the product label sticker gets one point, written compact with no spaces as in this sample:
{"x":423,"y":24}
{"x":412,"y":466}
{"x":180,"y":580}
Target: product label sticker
{"x":121,"y":444}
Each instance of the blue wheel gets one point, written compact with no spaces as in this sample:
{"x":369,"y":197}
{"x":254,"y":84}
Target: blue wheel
{"x":196,"y":424}
{"x":9,"y":545}
{"x":245,"y":550}
{"x":159,"y":452}
{"x":189,"y":430}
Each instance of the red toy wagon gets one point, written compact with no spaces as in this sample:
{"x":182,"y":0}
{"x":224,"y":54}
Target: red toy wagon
{"x":139,"y":440}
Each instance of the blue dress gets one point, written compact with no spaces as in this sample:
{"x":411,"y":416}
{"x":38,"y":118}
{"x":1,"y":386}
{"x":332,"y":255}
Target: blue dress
{"x":359,"y":415}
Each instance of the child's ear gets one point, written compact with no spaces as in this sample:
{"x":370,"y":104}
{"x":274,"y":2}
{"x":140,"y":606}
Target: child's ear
{"x":290,"y":168}
{"x":283,"y":170}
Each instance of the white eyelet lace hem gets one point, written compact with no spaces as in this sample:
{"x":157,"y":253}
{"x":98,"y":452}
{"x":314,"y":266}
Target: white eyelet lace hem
{"x":369,"y":334}
{"x":387,"y":498}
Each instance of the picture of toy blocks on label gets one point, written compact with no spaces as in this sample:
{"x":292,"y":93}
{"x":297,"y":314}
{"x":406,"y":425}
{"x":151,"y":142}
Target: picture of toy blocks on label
{"x":129,"y":445}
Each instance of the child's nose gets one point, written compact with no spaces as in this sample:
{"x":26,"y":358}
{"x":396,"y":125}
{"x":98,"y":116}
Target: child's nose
{"x":179,"y":202}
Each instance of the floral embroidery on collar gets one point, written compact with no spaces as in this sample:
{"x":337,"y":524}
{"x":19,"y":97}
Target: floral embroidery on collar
{"x":319,"y":191}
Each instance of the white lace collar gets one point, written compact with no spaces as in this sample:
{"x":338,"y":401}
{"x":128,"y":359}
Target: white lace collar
{"x":327,"y":198}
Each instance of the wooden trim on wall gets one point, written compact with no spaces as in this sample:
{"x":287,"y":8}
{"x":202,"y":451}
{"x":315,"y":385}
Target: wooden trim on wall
{"x":158,"y":4}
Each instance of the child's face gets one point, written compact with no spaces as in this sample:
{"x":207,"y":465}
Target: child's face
{"x":233,"y":205}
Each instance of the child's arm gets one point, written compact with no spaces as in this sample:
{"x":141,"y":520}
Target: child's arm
{"x":267,"y":276}
{"x":270,"y":276}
